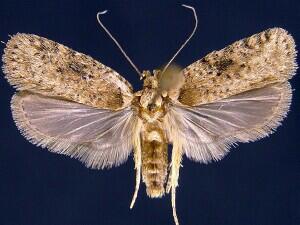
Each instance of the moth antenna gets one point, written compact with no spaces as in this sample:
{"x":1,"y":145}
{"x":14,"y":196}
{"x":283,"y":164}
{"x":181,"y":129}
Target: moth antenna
{"x":116,"y":42}
{"x":188,"y":39}
{"x":3,"y":42}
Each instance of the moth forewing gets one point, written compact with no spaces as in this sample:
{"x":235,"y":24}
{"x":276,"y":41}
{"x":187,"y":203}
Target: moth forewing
{"x":43,"y":66}
{"x":264,"y":58}
{"x":75,"y":105}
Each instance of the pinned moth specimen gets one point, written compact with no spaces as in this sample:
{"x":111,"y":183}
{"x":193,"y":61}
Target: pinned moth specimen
{"x":72,"y":104}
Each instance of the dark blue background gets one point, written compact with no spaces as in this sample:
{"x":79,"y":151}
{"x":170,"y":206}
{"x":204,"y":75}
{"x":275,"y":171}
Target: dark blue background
{"x":256,"y":184}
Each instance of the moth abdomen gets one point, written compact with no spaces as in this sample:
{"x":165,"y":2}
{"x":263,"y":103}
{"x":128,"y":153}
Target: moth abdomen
{"x":154,"y":160}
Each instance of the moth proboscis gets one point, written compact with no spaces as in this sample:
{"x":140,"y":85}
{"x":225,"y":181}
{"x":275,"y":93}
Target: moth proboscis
{"x":72,"y":104}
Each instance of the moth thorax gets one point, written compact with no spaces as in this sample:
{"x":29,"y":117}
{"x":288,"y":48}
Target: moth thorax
{"x":154,"y":160}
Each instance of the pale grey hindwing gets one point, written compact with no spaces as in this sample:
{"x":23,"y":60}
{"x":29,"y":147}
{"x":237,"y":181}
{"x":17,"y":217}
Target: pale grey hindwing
{"x":98,"y":137}
{"x":207,"y":131}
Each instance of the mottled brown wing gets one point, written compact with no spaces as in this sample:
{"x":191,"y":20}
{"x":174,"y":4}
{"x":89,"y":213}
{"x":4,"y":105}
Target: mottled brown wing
{"x":39,"y":65}
{"x":264,"y":58}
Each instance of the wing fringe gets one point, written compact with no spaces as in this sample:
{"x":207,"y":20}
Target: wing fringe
{"x":216,"y":149}
{"x":85,"y":152}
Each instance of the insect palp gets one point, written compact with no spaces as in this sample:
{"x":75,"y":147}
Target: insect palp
{"x":116,"y":42}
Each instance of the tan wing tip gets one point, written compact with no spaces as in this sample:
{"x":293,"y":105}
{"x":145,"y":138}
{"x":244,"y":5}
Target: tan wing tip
{"x":11,"y":59}
{"x":13,"y":43}
{"x":285,"y":47}
{"x":286,"y":43}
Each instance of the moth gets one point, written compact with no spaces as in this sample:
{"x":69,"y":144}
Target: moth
{"x":74,"y":105}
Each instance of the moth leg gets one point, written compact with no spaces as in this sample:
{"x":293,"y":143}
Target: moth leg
{"x":173,"y":200}
{"x":137,"y":160}
{"x":174,"y":175}
{"x":175,"y":166}
{"x":138,"y":163}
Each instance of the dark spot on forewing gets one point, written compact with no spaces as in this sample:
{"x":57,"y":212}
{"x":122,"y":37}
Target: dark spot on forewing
{"x":223,"y":64}
{"x":75,"y":67}
{"x":59,"y":70}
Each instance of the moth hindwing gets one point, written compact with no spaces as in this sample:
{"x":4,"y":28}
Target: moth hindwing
{"x":72,"y":104}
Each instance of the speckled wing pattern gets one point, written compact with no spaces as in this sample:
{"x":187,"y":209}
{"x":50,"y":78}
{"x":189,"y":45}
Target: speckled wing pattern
{"x":40,"y":65}
{"x":264,"y":58}
{"x":238,"y":94}
{"x":69,"y":102}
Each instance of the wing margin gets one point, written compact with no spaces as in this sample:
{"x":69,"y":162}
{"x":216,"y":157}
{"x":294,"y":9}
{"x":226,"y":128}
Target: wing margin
{"x":209,"y":130}
{"x":99,"y":138}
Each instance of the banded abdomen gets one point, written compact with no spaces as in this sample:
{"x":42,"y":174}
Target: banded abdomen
{"x":154,"y":159}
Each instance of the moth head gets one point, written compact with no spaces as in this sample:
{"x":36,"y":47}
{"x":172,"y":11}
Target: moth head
{"x":150,"y":80}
